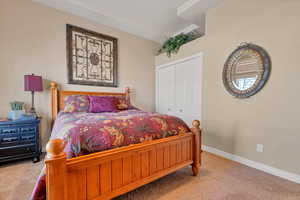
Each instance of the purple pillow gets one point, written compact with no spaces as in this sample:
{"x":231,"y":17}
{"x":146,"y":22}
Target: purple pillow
{"x":100,"y":104}
{"x":76,"y":103}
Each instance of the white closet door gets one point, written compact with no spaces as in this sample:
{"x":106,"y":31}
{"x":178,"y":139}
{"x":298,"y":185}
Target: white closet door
{"x":166,"y":90}
{"x":181,"y":85}
{"x":188,"y":84}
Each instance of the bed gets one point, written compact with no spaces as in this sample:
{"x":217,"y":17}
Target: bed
{"x":116,"y":170}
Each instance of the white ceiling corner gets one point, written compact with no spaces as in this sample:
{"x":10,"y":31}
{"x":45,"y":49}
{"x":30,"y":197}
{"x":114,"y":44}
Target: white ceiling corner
{"x":195,"y":10}
{"x":85,"y":12}
{"x":154,"y":20}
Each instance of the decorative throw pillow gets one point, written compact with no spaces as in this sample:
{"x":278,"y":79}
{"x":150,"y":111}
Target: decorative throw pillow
{"x":100,"y":104}
{"x":76,"y":103}
{"x":122,"y":103}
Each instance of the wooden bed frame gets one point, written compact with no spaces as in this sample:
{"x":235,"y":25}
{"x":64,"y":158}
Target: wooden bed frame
{"x":110,"y":173}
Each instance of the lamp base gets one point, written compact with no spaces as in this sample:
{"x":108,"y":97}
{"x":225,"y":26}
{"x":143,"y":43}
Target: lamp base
{"x":32,"y":111}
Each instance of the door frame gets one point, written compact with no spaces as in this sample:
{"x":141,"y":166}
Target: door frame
{"x":158,"y":67}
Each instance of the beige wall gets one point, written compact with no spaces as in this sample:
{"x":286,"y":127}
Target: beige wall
{"x":271,"y":117}
{"x":33,"y":40}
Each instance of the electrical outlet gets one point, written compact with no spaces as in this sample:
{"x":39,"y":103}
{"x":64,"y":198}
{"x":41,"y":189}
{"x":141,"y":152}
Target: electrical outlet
{"x":260,"y":148}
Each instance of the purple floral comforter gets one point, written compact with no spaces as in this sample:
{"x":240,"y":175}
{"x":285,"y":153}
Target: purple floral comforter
{"x":86,"y":133}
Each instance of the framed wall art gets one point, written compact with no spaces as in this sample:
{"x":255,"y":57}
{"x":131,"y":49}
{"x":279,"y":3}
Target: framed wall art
{"x":92,"y":58}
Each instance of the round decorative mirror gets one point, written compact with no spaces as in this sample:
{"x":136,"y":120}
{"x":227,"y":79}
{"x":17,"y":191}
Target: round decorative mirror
{"x":246,"y":70}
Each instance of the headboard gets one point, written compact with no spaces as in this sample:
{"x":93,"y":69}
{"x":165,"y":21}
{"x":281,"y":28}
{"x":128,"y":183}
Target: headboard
{"x":58,"y":96}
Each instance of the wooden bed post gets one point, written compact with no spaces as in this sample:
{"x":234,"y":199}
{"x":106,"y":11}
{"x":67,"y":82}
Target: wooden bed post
{"x":127,"y":94}
{"x":54,"y":100}
{"x":56,"y":170}
{"x":197,"y":148}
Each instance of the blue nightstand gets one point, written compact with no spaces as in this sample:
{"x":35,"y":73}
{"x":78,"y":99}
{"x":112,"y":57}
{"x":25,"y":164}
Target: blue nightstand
{"x":20,"y":139}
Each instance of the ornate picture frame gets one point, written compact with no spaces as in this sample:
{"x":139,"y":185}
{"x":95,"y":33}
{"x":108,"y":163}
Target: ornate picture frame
{"x":92,"y":58}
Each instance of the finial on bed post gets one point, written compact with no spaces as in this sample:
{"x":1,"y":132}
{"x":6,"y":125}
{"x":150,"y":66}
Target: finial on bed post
{"x":53,"y":84}
{"x":127,"y":94}
{"x":55,"y":148}
{"x":196,"y":124}
{"x":56,"y":170}
{"x":197,"y":147}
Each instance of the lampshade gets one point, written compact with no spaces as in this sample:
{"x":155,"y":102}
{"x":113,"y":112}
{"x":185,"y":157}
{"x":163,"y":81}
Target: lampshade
{"x":33,"y":83}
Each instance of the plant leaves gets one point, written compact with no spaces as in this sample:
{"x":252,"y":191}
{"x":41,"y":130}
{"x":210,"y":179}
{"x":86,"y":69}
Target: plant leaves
{"x":173,"y":44}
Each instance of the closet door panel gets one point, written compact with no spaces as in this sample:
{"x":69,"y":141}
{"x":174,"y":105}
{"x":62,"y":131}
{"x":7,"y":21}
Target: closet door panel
{"x":181,"y":85}
{"x":193,"y":101}
{"x":166,"y":90}
{"x":179,"y":89}
{"x":188,"y":84}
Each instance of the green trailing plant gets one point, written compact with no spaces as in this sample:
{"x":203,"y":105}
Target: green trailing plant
{"x":16,"y":105}
{"x":173,"y":44}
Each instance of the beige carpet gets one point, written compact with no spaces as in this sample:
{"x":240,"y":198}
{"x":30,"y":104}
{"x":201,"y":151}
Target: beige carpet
{"x":220,"y":179}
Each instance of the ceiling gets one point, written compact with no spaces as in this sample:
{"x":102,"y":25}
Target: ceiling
{"x":151,"y":19}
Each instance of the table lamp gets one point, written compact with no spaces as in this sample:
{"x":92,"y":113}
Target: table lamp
{"x":33,"y":84}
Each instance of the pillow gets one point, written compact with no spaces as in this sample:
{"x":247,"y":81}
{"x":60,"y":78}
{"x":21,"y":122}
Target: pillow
{"x":100,"y":104}
{"x":122,"y":103}
{"x":76,"y":103}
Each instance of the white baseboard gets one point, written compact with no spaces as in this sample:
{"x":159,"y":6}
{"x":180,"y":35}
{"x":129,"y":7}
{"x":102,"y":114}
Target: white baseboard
{"x":268,"y":169}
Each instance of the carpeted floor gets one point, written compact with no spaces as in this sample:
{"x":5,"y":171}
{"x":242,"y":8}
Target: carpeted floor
{"x":220,"y":179}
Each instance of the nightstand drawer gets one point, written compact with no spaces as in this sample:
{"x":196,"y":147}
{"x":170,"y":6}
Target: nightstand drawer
{"x":9,"y":140}
{"x":14,"y":151}
{"x":31,"y":129}
{"x":27,"y":137}
{"x":9,"y":130}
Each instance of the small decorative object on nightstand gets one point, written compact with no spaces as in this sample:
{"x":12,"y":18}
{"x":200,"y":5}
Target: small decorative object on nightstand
{"x":20,"y":139}
{"x":33,"y":84}
{"x":16,"y":110}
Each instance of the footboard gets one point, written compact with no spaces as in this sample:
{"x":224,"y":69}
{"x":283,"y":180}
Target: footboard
{"x":110,"y":173}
